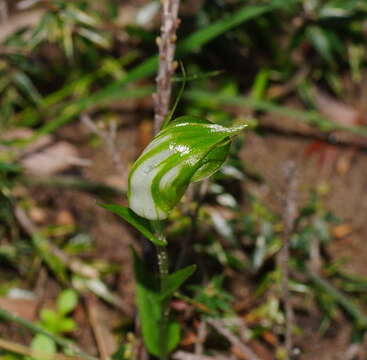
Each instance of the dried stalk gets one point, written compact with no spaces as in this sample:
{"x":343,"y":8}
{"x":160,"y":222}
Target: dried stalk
{"x":92,"y":310}
{"x":109,"y":138}
{"x":26,"y":351}
{"x":167,"y":47}
{"x":4,"y":11}
{"x":184,"y":355}
{"x":289,"y":217}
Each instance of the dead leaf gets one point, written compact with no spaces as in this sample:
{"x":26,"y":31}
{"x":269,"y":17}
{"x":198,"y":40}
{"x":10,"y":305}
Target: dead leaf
{"x":65,"y":217}
{"x":37,"y":214}
{"x":270,"y":338}
{"x":189,"y":339}
{"x":52,"y":159}
{"x":341,"y":231}
{"x":262,"y":352}
{"x":24,"y":308}
{"x":337,"y":111}
{"x":344,"y":162}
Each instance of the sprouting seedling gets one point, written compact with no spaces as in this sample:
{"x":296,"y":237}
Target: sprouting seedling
{"x":189,"y":149}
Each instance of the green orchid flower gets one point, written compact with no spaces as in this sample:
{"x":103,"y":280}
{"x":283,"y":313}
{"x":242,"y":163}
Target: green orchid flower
{"x":189,"y":149}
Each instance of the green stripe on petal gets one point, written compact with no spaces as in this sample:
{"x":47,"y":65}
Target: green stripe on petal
{"x":188,"y":149}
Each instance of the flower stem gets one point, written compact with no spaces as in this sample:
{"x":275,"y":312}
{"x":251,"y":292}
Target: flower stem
{"x":162,"y":257}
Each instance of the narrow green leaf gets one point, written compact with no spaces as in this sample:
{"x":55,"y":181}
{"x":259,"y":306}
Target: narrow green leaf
{"x":42,"y":245}
{"x":243,"y":14}
{"x":81,"y":16}
{"x":27,"y":86}
{"x":140,"y":224}
{"x":95,"y":37}
{"x":197,"y":76}
{"x":173,"y":335}
{"x":310,"y":117}
{"x":173,"y":281}
{"x":318,"y":38}
{"x":260,"y":84}
{"x":149,"y":305}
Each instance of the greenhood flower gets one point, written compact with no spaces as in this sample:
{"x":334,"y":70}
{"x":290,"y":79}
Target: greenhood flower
{"x":189,"y":149}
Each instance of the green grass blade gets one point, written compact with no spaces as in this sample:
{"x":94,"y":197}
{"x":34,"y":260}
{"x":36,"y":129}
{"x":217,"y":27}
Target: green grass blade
{"x":309,"y":117}
{"x":203,"y":36}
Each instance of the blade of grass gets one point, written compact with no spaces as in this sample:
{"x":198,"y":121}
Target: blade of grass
{"x":347,"y":304}
{"x":309,"y":117}
{"x":238,"y":17}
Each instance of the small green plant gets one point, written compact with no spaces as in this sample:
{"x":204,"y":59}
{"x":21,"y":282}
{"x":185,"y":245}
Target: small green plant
{"x":56,"y":322}
{"x":187,"y":149}
{"x":214,"y":297}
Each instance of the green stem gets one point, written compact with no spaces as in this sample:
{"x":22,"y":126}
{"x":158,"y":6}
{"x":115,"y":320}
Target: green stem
{"x":162,"y":257}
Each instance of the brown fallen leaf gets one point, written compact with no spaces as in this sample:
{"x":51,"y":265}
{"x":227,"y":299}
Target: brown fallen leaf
{"x":270,"y":338}
{"x":344,"y":162}
{"x":65,"y":217}
{"x":24,"y":308}
{"x":342,"y":230}
{"x":342,"y":114}
{"x":53,"y":159}
{"x":37,"y":214}
{"x":337,"y":111}
{"x":262,"y":351}
{"x":189,"y":339}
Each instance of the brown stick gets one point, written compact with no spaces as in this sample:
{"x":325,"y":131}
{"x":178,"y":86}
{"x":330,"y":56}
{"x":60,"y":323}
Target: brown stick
{"x":91,"y":305}
{"x":4,"y":11}
{"x":167,"y":47}
{"x":109,"y":138}
{"x":289,"y":217}
{"x":184,"y":355}
{"x":24,"y":350}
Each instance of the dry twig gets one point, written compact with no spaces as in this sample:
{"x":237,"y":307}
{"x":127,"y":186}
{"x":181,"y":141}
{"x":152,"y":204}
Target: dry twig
{"x":91,"y":304}
{"x":109,"y":138}
{"x":289,"y":217}
{"x":4,"y":12}
{"x":202,"y":334}
{"x":167,"y":47}
{"x":24,"y":350}
{"x":184,"y":355}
